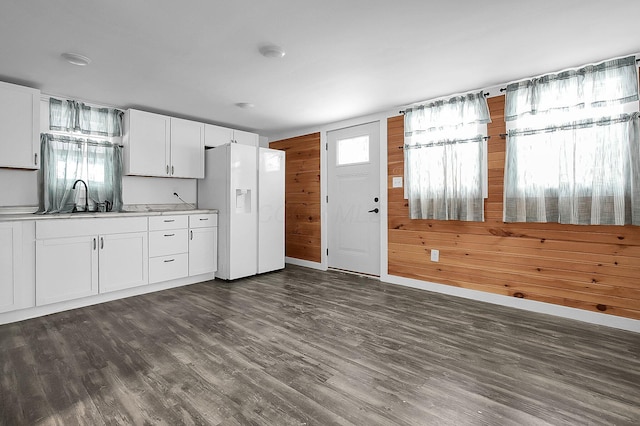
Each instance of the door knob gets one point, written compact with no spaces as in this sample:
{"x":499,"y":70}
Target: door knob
{"x":374,"y":210}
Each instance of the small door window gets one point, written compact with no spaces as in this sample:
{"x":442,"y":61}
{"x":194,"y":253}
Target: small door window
{"x":353,"y":150}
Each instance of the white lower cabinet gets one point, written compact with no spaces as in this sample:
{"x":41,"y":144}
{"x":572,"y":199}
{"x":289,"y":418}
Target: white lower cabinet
{"x":170,"y":267}
{"x":9,"y":265}
{"x":16,"y":286}
{"x":123,"y":261}
{"x":49,"y":261}
{"x":203,"y":244}
{"x":66,"y":269}
{"x":70,"y":265}
{"x":168,"y":248}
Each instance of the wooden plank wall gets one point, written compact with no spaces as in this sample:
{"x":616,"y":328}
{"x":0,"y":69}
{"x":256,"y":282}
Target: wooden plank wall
{"x":302,"y":196}
{"x":596,"y":268}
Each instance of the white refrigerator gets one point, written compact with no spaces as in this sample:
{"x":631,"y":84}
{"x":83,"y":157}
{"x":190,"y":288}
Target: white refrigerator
{"x":246,"y":185}
{"x":271,"y":178}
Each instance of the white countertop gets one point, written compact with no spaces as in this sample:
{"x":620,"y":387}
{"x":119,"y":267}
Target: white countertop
{"x":33,"y":216}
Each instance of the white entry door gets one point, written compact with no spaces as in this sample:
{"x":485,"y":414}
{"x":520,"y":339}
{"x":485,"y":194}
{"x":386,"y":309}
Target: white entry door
{"x":354,"y":209}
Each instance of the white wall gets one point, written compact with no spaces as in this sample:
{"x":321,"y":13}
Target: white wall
{"x":18,"y":188}
{"x":149,"y":190}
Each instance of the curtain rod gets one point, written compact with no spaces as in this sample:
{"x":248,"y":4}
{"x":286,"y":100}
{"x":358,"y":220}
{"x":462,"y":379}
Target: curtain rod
{"x":426,"y":145}
{"x":70,"y":139}
{"x":504,"y":89}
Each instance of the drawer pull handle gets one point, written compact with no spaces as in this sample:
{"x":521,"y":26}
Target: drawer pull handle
{"x":191,"y":235}
{"x":206,"y":218}
{"x":101,"y":243}
{"x":169,"y":220}
{"x":94,"y":243}
{"x":169,"y":235}
{"x":170,"y":260}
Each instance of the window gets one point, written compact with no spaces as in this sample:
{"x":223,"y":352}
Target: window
{"x":572,"y":151}
{"x":445,"y":158}
{"x":353,"y":150}
{"x":69,"y":156}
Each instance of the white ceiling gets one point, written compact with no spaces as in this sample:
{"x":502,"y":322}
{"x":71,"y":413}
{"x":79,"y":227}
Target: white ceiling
{"x":345,"y":58}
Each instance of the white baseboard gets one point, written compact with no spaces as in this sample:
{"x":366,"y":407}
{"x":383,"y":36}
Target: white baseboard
{"x":525,"y":304}
{"x":305,"y":263}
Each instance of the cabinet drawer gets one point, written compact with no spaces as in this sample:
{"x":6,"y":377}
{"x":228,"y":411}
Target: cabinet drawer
{"x":165,"y":268}
{"x":157,"y":223}
{"x":170,"y":241}
{"x":206,"y":220}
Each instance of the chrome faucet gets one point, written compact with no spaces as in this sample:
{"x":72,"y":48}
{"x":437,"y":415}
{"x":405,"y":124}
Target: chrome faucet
{"x":86,"y":195}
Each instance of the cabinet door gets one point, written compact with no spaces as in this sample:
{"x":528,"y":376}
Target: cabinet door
{"x":10,"y":260}
{"x":147,"y":141}
{"x":203,"y":253}
{"x":19,"y":126}
{"x":216,"y":135}
{"x":246,"y":138}
{"x":187,"y":149}
{"x":123,"y":261}
{"x":66,"y":269}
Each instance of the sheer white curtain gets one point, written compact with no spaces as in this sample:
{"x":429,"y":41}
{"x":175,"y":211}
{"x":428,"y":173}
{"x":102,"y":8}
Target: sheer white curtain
{"x":445,"y":158}
{"x":572,"y":151}
{"x":77,"y":117}
{"x":67,"y":157}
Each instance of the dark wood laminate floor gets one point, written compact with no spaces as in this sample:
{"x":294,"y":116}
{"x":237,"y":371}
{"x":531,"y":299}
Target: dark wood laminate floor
{"x":303,"y":347}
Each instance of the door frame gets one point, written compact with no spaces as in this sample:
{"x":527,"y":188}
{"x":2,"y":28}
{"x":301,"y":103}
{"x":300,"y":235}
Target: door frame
{"x":374,"y":124}
{"x":324,"y":184}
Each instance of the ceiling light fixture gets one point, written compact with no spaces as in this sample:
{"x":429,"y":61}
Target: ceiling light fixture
{"x":272,"y":51}
{"x":245,"y":105}
{"x":76,"y":59}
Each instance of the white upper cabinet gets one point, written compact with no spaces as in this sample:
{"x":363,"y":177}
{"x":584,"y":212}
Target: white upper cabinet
{"x":218,"y":135}
{"x":162,"y":146}
{"x":19,"y":127}
{"x":246,"y":138}
{"x":147,"y":144}
{"x":187,"y":149}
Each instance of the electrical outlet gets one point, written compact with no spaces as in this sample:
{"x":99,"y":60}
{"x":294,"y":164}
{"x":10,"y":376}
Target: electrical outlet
{"x":435,"y":255}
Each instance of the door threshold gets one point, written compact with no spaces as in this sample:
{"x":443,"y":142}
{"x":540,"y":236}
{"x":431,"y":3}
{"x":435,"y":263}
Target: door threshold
{"x":360,"y":274}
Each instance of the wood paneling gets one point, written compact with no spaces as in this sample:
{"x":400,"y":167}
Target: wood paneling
{"x":302,"y":197}
{"x":595,"y":268}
